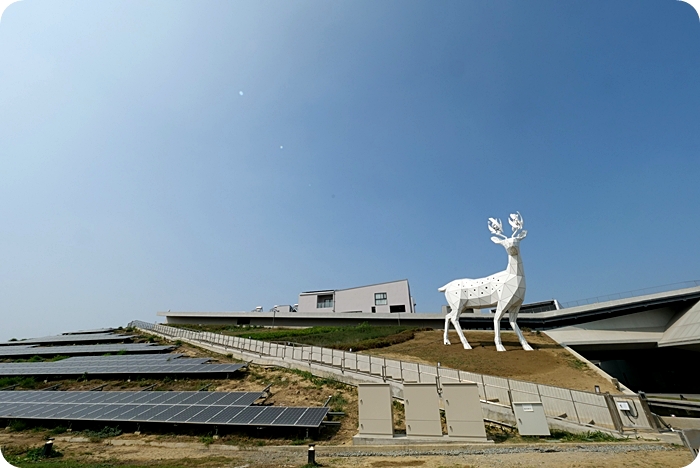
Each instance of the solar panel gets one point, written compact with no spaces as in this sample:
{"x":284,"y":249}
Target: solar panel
{"x":131,"y":414}
{"x":206,"y":414}
{"x":84,"y":338}
{"x":17,"y":351}
{"x":312,"y":417}
{"x":245,"y":416}
{"x":226,"y":414}
{"x":166,"y":407}
{"x":60,"y":369}
{"x":268,"y":415}
{"x":186,"y":414}
{"x":290,"y":416}
{"x":135,"y":358}
{"x":152,"y":413}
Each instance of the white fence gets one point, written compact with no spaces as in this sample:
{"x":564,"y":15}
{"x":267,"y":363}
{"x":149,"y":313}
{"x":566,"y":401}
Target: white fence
{"x":575,"y":406}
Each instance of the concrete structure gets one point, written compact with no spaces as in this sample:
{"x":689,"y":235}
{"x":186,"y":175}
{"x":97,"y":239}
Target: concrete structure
{"x":392,"y":297}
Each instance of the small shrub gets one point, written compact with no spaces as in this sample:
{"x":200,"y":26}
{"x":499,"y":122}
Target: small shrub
{"x":58,"y":430}
{"x":104,"y":433}
{"x":121,"y":352}
{"x":337,"y":402}
{"x":17,"y":425}
{"x":207,"y":439}
{"x":37,"y":454}
{"x":590,"y":436}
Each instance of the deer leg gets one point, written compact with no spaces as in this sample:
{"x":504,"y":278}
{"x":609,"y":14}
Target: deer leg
{"x":513,"y":317}
{"x":497,"y":327}
{"x":460,"y":333}
{"x":445,"y":340}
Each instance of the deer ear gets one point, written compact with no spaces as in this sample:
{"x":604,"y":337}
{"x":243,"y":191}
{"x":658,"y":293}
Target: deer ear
{"x":496,"y":240}
{"x":522,"y":234}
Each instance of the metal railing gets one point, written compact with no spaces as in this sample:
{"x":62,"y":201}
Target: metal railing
{"x":587,"y":408}
{"x":629,"y":294}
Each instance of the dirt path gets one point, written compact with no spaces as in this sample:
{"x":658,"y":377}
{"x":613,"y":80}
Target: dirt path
{"x":549,"y":364}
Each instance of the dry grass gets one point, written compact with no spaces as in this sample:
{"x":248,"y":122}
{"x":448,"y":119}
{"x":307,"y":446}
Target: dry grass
{"x":549,"y":364}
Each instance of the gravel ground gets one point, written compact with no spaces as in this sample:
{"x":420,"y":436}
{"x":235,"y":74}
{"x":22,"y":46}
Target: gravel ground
{"x":598,"y":448}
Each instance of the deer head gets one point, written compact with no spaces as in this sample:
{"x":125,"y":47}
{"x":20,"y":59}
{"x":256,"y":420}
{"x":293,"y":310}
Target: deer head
{"x":512,"y":243}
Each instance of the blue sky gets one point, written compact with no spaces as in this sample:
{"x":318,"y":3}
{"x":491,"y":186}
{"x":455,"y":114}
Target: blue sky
{"x":371,"y":142}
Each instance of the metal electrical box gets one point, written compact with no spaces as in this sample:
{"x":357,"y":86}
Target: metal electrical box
{"x":375,"y":409}
{"x":422,"y":405}
{"x":531,"y":419}
{"x":463,"y":410}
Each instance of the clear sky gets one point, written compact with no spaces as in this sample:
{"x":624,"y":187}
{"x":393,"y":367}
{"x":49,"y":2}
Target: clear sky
{"x":220,"y":155}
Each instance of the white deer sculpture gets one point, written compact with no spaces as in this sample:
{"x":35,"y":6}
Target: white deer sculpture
{"x":505,"y":289}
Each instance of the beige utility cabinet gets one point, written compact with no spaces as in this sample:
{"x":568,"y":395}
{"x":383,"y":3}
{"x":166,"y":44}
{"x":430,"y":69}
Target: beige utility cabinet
{"x":375,"y":409}
{"x":531,"y":418}
{"x":422,"y":405}
{"x":463,"y":410}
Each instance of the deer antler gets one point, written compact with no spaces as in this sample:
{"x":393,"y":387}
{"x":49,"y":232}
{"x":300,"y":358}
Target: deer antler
{"x":516,"y":222}
{"x":496,"y":227}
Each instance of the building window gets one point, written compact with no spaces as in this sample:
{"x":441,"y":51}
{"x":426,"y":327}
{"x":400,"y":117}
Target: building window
{"x":380,"y":299}
{"x":397,"y":308}
{"x":324,"y":301}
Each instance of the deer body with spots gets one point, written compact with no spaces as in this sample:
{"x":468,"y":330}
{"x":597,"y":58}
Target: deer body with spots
{"x":504,"y":290}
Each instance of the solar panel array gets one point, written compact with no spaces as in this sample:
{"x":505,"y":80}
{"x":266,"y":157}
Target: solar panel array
{"x":87,"y":332}
{"x":69,"y":368}
{"x":220,"y":408}
{"x":136,"y":359}
{"x":88,"y":337}
{"x":132,"y":358}
{"x":10,"y":352}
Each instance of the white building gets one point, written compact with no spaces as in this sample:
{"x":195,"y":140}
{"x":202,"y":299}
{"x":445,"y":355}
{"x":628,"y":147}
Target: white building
{"x":392,"y":297}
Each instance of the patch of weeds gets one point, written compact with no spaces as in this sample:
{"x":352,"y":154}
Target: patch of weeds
{"x":24,"y":382}
{"x":298,"y":441}
{"x":337,"y":402}
{"x":58,"y":358}
{"x":37,"y":454}
{"x":499,"y":433}
{"x":590,"y":436}
{"x":58,"y":430}
{"x":121,"y":352}
{"x":17,"y":425}
{"x":104,"y":433}
{"x":207,"y":439}
{"x":399,"y":413}
{"x":318,"y":381}
{"x":178,"y":342}
{"x":577,"y":364}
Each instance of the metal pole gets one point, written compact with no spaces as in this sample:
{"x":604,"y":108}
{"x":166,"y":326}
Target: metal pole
{"x":311,"y":460}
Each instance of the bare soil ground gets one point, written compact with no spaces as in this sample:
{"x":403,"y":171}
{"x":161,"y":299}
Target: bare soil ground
{"x":549,"y":364}
{"x":153,"y":451}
